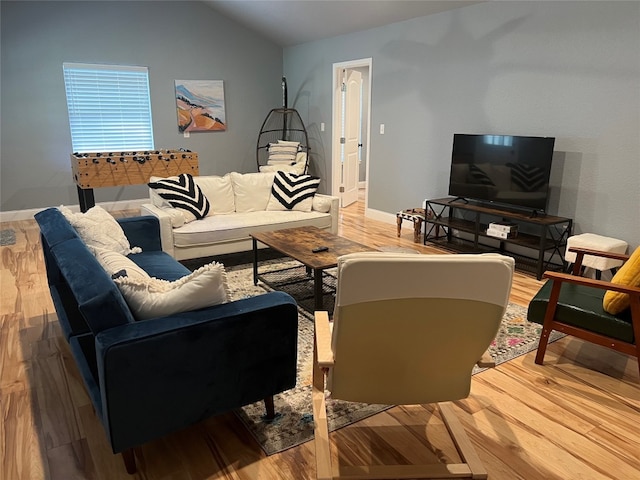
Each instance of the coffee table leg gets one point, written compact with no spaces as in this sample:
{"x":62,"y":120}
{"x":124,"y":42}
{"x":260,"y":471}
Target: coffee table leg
{"x":317,"y":289}
{"x":255,"y":261}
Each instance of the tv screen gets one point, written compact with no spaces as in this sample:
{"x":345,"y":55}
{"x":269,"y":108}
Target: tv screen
{"x":505,"y":169}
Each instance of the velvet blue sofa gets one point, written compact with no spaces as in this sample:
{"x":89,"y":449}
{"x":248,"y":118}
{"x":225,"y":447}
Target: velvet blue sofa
{"x":149,"y":378}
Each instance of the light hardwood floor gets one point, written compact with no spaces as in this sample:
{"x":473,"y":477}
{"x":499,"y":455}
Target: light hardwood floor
{"x":575,"y":418}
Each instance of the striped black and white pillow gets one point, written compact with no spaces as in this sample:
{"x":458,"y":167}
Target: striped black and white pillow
{"x":182,"y":192}
{"x":479,"y":176}
{"x":526,"y":177}
{"x":292,"y":192}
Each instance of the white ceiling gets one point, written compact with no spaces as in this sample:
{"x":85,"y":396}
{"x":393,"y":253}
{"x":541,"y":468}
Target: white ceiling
{"x":292,"y":22}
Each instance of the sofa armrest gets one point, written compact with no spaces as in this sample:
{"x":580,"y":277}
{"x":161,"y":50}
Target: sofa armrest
{"x":334,"y":210}
{"x":165,"y":224}
{"x":161,"y":375}
{"x":143,"y":232}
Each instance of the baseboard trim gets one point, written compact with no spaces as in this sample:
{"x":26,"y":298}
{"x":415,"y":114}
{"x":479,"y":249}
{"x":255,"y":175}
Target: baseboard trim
{"x":17,"y":215}
{"x":380,"y":216}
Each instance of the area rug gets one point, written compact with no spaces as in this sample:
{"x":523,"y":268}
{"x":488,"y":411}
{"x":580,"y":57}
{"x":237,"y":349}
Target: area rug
{"x":293,"y":424}
{"x":7,"y":237}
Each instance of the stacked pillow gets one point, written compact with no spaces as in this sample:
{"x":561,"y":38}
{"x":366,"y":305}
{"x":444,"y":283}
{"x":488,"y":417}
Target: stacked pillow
{"x":283,"y":152}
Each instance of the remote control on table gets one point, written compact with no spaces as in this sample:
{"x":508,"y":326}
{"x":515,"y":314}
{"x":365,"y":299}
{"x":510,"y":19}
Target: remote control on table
{"x":320,"y":249}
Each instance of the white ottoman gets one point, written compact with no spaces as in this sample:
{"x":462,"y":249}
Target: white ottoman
{"x":596,"y":242}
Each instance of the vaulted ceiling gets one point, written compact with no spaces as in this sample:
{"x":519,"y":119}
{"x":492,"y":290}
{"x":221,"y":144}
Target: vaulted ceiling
{"x":292,"y":22}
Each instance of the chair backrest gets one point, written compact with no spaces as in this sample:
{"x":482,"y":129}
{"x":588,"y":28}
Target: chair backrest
{"x":408,"y":328}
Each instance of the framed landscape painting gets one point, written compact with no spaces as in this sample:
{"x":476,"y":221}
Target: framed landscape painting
{"x":200,"y":105}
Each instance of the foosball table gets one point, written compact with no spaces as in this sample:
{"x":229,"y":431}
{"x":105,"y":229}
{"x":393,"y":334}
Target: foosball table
{"x":117,"y":168}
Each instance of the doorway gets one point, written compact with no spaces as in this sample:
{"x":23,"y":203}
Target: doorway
{"x":351,"y":130}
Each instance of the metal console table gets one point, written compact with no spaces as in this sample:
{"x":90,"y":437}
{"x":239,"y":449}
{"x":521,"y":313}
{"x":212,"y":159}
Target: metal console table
{"x":462,"y":227}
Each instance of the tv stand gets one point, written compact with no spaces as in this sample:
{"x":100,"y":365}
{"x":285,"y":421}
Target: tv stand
{"x":462,"y":227}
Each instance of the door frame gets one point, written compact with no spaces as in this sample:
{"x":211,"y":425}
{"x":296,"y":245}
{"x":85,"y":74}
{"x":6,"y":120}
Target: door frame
{"x":336,"y":169}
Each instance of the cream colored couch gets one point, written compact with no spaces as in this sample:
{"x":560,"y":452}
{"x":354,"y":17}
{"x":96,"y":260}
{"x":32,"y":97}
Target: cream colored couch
{"x":238,"y":207}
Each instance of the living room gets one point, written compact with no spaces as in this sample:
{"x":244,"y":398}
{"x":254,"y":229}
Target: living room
{"x":564,"y":69}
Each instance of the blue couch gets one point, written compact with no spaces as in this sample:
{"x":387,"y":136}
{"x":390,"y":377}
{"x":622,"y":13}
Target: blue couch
{"x":149,"y":378}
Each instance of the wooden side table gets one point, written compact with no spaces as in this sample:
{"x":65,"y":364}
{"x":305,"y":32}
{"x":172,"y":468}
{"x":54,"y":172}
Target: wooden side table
{"x":417,"y":216}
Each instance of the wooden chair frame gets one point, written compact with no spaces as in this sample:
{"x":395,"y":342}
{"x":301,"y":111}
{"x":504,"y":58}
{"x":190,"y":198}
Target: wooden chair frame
{"x":326,"y":470}
{"x":550,"y":322}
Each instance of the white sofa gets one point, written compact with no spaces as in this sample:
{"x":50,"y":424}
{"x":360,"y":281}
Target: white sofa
{"x":238,"y":207}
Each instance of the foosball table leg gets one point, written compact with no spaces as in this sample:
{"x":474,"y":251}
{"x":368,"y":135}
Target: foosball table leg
{"x":85,"y":198}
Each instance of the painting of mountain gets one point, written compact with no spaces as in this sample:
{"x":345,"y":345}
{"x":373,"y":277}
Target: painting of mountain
{"x":200,"y":105}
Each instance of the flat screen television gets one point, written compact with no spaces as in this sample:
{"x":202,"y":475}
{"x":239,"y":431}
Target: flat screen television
{"x":503,"y":169}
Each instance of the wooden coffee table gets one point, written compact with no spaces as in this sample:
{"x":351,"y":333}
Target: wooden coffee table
{"x":298,"y":244}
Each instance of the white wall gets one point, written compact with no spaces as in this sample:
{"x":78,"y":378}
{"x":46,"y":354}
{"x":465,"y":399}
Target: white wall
{"x":570,"y":70}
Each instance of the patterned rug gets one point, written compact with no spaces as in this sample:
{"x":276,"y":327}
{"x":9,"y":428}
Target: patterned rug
{"x":7,"y":237}
{"x":294,"y":421}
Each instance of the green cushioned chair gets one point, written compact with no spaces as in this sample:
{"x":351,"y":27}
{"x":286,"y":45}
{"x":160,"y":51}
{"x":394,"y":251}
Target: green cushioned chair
{"x":572,"y":304}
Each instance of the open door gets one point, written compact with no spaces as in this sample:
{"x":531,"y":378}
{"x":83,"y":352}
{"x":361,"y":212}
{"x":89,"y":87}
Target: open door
{"x":350,"y":139}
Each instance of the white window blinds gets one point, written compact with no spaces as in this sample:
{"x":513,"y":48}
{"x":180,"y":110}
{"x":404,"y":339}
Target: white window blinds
{"x":109,"y":107}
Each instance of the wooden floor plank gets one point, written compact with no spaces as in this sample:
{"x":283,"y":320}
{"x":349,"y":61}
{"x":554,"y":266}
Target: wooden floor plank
{"x":575,"y":417}
{"x":72,"y":461}
{"x":22,"y":451}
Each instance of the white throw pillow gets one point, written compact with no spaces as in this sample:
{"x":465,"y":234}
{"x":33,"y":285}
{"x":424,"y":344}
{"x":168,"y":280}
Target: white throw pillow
{"x":98,"y":228}
{"x":283,"y":151}
{"x":252,"y":190}
{"x":219,"y":191}
{"x":205,"y":287}
{"x":298,"y":167}
{"x":293,"y":192}
{"x":115,"y":263}
{"x":321,"y":204}
{"x":287,"y":142}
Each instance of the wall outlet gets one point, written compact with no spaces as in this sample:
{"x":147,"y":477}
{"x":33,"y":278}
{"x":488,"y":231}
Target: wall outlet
{"x":186,"y":134}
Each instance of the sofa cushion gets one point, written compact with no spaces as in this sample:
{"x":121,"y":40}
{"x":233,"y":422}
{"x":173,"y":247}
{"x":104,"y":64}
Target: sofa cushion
{"x":219,"y":191}
{"x":238,"y":226}
{"x":160,"y":264}
{"x":251,"y":190}
{"x":97,"y":228}
{"x":581,"y":306}
{"x":293,"y":192}
{"x":154,"y":298}
{"x":629,"y":274}
{"x":182,"y":192}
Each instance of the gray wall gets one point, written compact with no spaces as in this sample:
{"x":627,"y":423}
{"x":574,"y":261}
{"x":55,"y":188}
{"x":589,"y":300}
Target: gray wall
{"x":570,"y":70}
{"x":176,"y":40}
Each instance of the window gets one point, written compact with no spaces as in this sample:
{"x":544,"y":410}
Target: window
{"x":109,"y":107}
